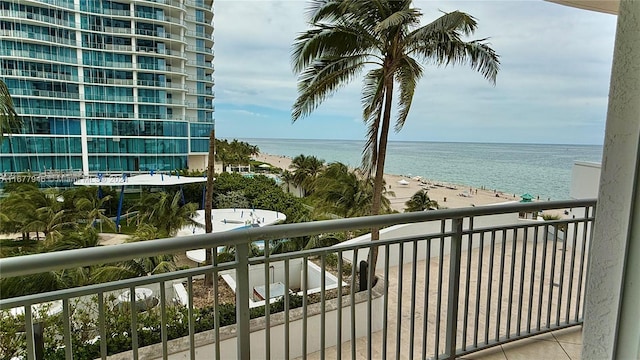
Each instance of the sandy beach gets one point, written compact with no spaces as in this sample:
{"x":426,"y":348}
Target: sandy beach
{"x":447,"y":195}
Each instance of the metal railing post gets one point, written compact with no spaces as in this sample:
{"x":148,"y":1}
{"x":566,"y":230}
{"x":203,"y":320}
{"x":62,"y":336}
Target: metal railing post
{"x":242,"y":301}
{"x":454,"y":289}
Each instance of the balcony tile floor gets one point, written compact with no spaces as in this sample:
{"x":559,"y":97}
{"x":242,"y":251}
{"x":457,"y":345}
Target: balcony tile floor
{"x":563,"y":344}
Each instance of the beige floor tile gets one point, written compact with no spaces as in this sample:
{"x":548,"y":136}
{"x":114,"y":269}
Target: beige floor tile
{"x":572,"y":335}
{"x":546,"y":336}
{"x":534,"y":349}
{"x":494,"y":353}
{"x":573,"y":350}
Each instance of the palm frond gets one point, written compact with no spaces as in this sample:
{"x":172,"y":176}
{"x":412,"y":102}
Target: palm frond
{"x":372,"y":89}
{"x":108,"y":273}
{"x":456,"y":21}
{"x":322,"y":79}
{"x":372,"y":100}
{"x":330,"y":41}
{"x":407,"y":76}
{"x":483,"y":59}
{"x":10,"y":122}
{"x":406,"y":18}
{"x":449,"y":49}
{"x":164,"y":266}
{"x":324,"y":10}
{"x":370,"y":151}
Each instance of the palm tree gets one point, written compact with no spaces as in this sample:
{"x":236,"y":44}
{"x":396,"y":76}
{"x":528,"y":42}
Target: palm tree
{"x":140,"y":266}
{"x":420,"y":201}
{"x":305,"y":171}
{"x":287,"y":177}
{"x":166,"y":212}
{"x":40,"y":211}
{"x":83,"y":238}
{"x":88,"y":206}
{"x":10,"y":122}
{"x":345,"y":192}
{"x":382,"y":36}
{"x":16,"y":212}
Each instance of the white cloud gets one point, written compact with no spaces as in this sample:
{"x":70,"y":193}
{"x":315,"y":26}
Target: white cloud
{"x":555,"y":74}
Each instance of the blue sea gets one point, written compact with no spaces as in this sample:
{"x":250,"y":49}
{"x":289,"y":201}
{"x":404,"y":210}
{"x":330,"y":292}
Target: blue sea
{"x":539,"y":169}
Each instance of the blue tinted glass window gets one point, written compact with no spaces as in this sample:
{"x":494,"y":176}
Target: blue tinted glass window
{"x":199,"y":145}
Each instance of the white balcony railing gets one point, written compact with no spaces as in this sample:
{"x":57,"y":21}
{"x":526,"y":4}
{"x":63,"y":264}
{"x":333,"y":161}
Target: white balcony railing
{"x":455,"y":282}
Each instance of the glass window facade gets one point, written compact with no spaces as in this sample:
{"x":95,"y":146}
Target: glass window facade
{"x":137,"y":128}
{"x":113,"y":110}
{"x":118,"y":145}
{"x":118,"y":79}
{"x":35,"y":163}
{"x":50,"y":125}
{"x":15,"y":49}
{"x":25,"y":68}
{"x":141,"y":163}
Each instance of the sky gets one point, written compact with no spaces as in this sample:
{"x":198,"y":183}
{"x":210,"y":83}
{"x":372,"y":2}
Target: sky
{"x":552,"y":86}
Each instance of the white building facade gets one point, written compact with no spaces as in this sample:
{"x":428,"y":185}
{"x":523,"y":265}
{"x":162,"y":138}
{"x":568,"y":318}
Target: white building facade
{"x":611,"y":328}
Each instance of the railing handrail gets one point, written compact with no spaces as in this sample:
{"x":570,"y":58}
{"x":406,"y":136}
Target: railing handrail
{"x":38,"y":263}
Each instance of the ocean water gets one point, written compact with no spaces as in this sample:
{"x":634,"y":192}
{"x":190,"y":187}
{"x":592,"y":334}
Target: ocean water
{"x":539,"y":169}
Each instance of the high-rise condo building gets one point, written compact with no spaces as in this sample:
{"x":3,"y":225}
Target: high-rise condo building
{"x":108,"y":86}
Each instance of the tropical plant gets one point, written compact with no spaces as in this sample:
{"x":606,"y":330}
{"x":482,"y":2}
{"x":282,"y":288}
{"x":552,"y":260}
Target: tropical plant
{"x":28,"y":209}
{"x":382,"y":36}
{"x":345,"y":192}
{"x":287,"y":178}
{"x":420,"y":201}
{"x":145,"y":232}
{"x":43,"y":282}
{"x":305,"y":171}
{"x":234,"y":152}
{"x":232,"y":199}
{"x":559,"y":228}
{"x":166,"y":212}
{"x":89,"y":207}
{"x":10,"y":122}
{"x":261,"y":192}
{"x":79,"y":239}
{"x":139,"y":266}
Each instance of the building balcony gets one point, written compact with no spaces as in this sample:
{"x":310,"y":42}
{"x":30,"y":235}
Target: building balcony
{"x":46,"y":94}
{"x":27,"y":54}
{"x":448,"y":284}
{"x":37,"y":36}
{"x":37,"y":18}
{"x":39,"y":74}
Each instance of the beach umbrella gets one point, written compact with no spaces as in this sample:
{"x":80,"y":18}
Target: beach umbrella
{"x":403,"y":182}
{"x":526,"y":197}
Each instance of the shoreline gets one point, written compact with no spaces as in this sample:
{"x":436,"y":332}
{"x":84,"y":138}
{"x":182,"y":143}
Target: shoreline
{"x":446,"y":194}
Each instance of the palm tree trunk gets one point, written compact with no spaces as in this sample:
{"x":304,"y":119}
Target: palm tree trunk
{"x":208,"y":200}
{"x":13,"y":156}
{"x":379,"y":166}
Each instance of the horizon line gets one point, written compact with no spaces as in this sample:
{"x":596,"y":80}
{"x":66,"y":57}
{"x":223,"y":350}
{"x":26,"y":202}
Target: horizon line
{"x":424,"y":141}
